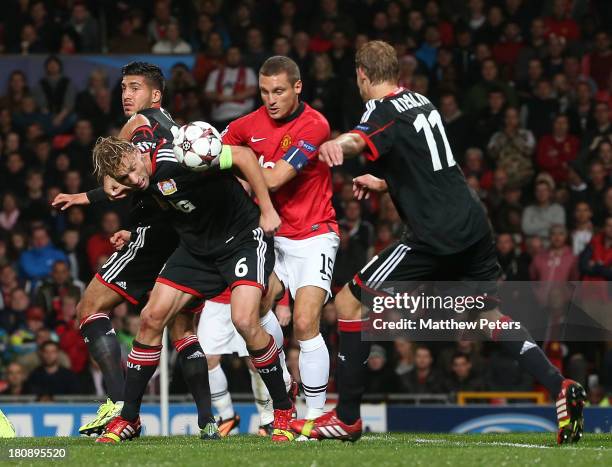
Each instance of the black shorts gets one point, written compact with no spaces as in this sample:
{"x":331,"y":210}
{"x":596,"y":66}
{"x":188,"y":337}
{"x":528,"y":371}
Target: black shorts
{"x":249,"y":262}
{"x":131,"y":271}
{"x":474,"y":270}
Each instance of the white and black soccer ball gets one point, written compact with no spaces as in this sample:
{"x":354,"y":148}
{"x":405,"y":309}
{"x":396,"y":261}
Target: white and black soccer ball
{"x":197,"y":145}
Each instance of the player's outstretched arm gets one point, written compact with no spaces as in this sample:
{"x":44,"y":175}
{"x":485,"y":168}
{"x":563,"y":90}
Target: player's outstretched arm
{"x":346,"y":145}
{"x":364,"y":184}
{"x":277,"y":176}
{"x":245,"y":161}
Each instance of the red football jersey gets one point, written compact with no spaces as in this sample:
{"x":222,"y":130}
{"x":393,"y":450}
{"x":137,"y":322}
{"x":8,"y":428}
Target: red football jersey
{"x":304,"y":202}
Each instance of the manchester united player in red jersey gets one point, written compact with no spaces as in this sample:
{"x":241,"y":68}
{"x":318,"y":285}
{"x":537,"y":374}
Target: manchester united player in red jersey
{"x":287,"y":133}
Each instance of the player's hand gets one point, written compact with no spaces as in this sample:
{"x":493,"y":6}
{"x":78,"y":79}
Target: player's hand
{"x":364,"y":184}
{"x":283,"y":314}
{"x":330,"y":152}
{"x":270,"y":222}
{"x":64,"y":200}
{"x":115,"y":190}
{"x":120,"y":239}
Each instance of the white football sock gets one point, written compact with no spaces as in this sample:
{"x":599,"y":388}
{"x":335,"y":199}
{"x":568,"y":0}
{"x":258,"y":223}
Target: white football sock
{"x":263,"y":402}
{"x":271,"y":325}
{"x":314,"y":371}
{"x":220,"y":396}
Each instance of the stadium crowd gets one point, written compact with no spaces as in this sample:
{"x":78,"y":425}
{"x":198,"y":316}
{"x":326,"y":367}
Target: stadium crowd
{"x":524,"y":89}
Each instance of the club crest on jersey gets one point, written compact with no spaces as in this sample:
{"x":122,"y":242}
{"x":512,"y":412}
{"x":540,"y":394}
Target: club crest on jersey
{"x":285,"y":142}
{"x":307,"y":146}
{"x":167,"y":187}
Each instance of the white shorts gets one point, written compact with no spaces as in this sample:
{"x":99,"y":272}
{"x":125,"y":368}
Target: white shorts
{"x":306,"y":262}
{"x":216,"y":332}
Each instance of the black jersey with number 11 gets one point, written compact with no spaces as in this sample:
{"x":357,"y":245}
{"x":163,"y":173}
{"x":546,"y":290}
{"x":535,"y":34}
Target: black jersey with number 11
{"x":405,"y":137}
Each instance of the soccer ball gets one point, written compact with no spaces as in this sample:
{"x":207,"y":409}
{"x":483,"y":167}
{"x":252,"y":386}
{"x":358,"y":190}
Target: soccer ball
{"x":196,"y":145}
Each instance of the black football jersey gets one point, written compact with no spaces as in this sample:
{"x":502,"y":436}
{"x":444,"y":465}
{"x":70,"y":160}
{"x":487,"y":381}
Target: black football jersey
{"x":211,"y":211}
{"x":406,"y":140}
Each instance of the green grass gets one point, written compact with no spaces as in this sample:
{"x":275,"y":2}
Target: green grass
{"x":394,"y":449}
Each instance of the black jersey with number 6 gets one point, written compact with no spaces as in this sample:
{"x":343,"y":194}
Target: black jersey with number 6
{"x":211,"y":211}
{"x":405,"y":137}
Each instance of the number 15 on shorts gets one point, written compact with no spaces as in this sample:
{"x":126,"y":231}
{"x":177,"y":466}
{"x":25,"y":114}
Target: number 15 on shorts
{"x":327,"y":267}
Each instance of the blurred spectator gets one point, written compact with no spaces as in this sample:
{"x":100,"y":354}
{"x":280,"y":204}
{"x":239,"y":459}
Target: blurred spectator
{"x":35,"y":263}
{"x":512,"y":148}
{"x":598,"y":63}
{"x":582,"y":227}
{"x":476,"y":97}
{"x":128,"y":40}
{"x":535,"y":48}
{"x":538,"y":218}
{"x":539,"y":111}
{"x":230,"y":89}
{"x":462,"y":377}
{"x":513,"y":266}
{"x":16,"y":302}
{"x":359,"y":230}
{"x":50,"y":378}
{"x":35,"y":206}
{"x":323,"y":89}
{"x":557,"y":263}
{"x":404,"y":352}
{"x":23,"y":338}
{"x":474,"y":166}
{"x":557,"y":149}
{"x":16,"y":90}
{"x":423,"y":378}
{"x":51,"y":291}
{"x":10,"y":211}
{"x":86,"y":28}
{"x":79,"y":149}
{"x":71,"y":341}
{"x":456,"y":124}
{"x":30,"y":42}
{"x":490,"y":119}
{"x":157,"y":29}
{"x":172,"y":42}
{"x":581,"y":111}
{"x":46,"y":29}
{"x":384,"y":237}
{"x":209,"y":59}
{"x":380,"y":377}
{"x":598,"y":184}
{"x":55,"y":94}
{"x":255,"y":53}
{"x":560,"y":23}
{"x":16,"y":381}
{"x":600,"y":132}
{"x":596,"y":259}
{"x":301,"y":51}
{"x":99,"y":244}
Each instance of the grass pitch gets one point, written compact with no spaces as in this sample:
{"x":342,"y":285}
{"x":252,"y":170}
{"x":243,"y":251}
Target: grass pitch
{"x":394,"y":449}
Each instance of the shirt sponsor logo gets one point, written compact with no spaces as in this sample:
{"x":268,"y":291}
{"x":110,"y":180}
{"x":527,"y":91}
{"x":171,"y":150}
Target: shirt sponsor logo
{"x":363,"y":127}
{"x":309,"y":147}
{"x":285,"y":142}
{"x":167,"y":187}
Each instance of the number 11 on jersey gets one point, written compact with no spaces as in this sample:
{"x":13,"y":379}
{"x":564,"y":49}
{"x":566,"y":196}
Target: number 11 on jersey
{"x":426,"y":124}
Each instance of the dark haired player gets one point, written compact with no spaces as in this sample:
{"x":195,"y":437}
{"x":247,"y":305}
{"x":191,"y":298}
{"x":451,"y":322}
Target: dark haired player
{"x":130,"y":273}
{"x":286,"y":134}
{"x":449,"y":239}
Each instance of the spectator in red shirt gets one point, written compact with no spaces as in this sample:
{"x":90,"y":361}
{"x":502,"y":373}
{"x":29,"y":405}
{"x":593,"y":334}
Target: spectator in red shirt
{"x":557,"y":149}
{"x":507,"y":50}
{"x":99,"y":244}
{"x":71,"y":341}
{"x":560,"y":23}
{"x":596,"y":259}
{"x":598,"y":63}
{"x":557,"y":263}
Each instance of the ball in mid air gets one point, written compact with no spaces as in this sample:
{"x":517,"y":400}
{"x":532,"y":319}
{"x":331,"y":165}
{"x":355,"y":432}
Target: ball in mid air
{"x":197,"y":145}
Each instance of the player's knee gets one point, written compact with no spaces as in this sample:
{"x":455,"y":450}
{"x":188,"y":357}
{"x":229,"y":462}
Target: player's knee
{"x":246,"y":326}
{"x":87,"y":306}
{"x":305,"y":325}
{"x":347,"y":306}
{"x":213,"y":361}
{"x":151,"y":320}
